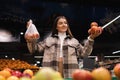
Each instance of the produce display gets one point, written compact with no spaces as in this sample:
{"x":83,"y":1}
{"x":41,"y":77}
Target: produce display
{"x":16,"y":65}
{"x":100,"y":73}
{"x":46,"y":73}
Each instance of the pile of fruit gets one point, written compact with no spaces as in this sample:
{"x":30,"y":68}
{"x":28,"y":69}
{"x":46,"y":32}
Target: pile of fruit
{"x":42,"y":74}
{"x":100,"y":73}
{"x":16,"y":65}
{"x":9,"y":74}
{"x":46,"y":73}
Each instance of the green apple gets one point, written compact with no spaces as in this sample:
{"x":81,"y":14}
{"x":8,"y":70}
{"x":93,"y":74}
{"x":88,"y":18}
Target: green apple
{"x":56,"y":76}
{"x":44,"y":74}
{"x":25,"y":78}
{"x":13,"y":78}
{"x":47,"y":73}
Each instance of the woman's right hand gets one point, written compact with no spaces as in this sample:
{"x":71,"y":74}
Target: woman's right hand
{"x":31,"y":38}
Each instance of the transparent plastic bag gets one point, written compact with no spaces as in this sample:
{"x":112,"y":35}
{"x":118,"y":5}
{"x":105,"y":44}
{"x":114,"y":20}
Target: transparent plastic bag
{"x":31,"y":32}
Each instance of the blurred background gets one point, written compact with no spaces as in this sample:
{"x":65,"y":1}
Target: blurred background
{"x":15,"y":13}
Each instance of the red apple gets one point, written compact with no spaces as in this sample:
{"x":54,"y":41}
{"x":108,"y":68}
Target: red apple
{"x":93,"y":24}
{"x":28,"y":36}
{"x":80,"y":74}
{"x":101,"y":73}
{"x":9,"y":70}
{"x":95,"y":29}
{"x":17,"y":73}
{"x":26,"y":75}
{"x":36,"y":35}
{"x":116,"y":70}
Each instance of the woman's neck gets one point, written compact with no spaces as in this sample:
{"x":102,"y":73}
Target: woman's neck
{"x":61,"y":33}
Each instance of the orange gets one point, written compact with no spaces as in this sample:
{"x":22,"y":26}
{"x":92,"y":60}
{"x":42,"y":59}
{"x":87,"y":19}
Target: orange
{"x":5,"y":73}
{"x":2,"y":78}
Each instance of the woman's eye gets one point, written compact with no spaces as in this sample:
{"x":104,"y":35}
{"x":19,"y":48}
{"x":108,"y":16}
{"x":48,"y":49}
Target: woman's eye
{"x":65,"y":22}
{"x":60,"y":23}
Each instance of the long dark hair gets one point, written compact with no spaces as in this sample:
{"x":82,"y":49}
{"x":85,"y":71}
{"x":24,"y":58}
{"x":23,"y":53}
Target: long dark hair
{"x":55,"y":31}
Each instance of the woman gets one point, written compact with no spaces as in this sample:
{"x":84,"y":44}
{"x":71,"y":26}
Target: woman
{"x":61,"y":49}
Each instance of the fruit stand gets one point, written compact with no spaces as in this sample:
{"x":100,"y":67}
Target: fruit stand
{"x":17,"y":68}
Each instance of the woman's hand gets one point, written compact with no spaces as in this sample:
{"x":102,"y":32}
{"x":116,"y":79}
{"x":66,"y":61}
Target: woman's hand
{"x":31,"y":40}
{"x":95,"y":30}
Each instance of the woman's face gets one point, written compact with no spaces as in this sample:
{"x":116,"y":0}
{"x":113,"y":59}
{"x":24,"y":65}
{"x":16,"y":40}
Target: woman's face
{"x":62,"y":25}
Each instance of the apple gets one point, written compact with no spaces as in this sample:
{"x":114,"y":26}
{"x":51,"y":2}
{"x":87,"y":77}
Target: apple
{"x":28,"y":71}
{"x":101,"y":73}
{"x":12,"y":78}
{"x":8,"y":69}
{"x":94,"y":29}
{"x":28,"y":36}
{"x":36,"y":35}
{"x":33,"y":78}
{"x":81,"y":74}
{"x":25,"y":78}
{"x":93,"y":24}
{"x":47,"y":73}
{"x":17,"y":73}
{"x":5,"y":73}
{"x":100,"y":29}
{"x":26,"y":75}
{"x":57,"y":76}
{"x":116,"y":70}
{"x":2,"y":77}
{"x":44,"y":73}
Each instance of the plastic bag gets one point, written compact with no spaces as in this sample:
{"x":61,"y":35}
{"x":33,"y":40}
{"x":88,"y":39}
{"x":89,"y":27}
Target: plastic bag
{"x":31,"y":32}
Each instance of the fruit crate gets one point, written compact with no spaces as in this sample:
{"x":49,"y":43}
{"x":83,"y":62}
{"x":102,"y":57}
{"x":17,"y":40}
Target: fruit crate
{"x":113,"y":78}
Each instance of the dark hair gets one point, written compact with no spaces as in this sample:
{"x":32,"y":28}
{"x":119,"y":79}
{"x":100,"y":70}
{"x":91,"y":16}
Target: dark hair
{"x":55,"y":31}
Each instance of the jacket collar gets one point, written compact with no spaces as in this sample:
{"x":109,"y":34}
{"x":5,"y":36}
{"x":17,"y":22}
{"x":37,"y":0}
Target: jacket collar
{"x":67,"y":36}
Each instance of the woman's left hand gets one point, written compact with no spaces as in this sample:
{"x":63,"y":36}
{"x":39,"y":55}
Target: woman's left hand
{"x":95,"y":31}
